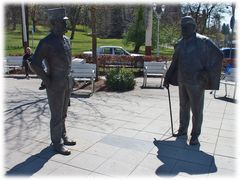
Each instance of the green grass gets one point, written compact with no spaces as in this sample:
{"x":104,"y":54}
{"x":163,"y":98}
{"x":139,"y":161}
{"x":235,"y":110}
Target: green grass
{"x":82,"y":41}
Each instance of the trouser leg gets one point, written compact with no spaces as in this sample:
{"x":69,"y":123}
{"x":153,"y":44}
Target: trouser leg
{"x":26,"y":69}
{"x":196,"y":94}
{"x":56,"y":104}
{"x":184,"y":108}
{"x":65,"y":108}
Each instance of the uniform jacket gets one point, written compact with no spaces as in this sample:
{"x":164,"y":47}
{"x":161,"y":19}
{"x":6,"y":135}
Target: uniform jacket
{"x":56,"y":51}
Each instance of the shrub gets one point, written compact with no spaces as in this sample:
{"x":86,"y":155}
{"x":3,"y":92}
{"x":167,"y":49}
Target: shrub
{"x":120,"y":79}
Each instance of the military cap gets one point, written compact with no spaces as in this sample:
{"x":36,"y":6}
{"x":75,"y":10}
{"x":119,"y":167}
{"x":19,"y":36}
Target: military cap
{"x":57,"y":14}
{"x":188,"y":20}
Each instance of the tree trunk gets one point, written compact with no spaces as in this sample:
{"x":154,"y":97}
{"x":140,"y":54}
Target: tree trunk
{"x":14,"y":26}
{"x":34,"y":25}
{"x":136,"y":48}
{"x":73,"y":32}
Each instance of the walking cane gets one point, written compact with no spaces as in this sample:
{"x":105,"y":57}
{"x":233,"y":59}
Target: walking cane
{"x":170,"y":107}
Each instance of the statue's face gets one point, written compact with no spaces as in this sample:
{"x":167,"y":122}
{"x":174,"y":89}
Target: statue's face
{"x":60,"y":26}
{"x":187,"y":30}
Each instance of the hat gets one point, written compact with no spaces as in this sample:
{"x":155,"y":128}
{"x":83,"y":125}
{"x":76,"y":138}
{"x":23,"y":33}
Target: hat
{"x":188,"y":20}
{"x":57,"y":14}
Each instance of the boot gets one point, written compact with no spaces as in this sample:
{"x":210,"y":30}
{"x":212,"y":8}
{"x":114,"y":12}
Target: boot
{"x":180,"y":133}
{"x":68,"y":142}
{"x":194,"y":141}
{"x":61,"y":149}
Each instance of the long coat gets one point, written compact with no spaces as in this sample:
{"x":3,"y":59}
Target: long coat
{"x":209,"y":67}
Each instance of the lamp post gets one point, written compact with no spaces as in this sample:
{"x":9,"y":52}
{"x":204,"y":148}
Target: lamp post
{"x":232,"y":24}
{"x":24,"y":26}
{"x":158,"y":10}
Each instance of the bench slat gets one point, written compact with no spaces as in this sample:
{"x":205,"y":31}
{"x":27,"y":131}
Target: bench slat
{"x":84,"y":72}
{"x":157,"y":69}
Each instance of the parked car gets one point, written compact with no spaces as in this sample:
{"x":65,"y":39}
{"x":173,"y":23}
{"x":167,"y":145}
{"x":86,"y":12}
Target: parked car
{"x":118,"y":51}
{"x":229,"y":56}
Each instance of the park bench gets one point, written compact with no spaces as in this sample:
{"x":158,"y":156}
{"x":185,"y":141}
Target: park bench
{"x":154,"y":69}
{"x":85,"y":72}
{"x":229,"y":80}
{"x":12,"y":62}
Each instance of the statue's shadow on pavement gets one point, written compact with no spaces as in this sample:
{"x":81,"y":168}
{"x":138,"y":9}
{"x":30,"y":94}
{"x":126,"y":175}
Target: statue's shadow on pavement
{"x":32,"y":164}
{"x":177,"y":156}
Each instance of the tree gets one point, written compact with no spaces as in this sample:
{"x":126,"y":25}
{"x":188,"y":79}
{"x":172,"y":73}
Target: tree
{"x":217,"y":21}
{"x":225,"y":31}
{"x":203,"y":13}
{"x":84,"y":18}
{"x":13,"y":16}
{"x":136,"y":30}
{"x":169,"y":32}
{"x":117,"y":22}
{"x":73,"y":12}
{"x":35,"y":12}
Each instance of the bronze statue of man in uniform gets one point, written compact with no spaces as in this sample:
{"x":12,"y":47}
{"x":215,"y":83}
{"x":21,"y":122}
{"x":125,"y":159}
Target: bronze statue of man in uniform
{"x":196,"y":66}
{"x":56,"y":51}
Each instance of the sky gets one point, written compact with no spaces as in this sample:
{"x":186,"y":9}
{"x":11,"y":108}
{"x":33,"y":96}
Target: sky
{"x":227,"y":17}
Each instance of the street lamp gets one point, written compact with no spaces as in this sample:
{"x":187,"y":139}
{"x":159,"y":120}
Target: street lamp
{"x":158,"y":10}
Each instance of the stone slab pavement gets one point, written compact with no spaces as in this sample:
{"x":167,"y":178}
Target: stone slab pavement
{"x":118,"y":134}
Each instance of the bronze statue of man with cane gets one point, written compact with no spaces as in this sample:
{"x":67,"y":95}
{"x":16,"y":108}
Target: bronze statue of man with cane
{"x":196,"y":67}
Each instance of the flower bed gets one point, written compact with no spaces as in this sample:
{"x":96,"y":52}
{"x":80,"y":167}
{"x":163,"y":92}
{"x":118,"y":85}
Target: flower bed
{"x":124,"y":61}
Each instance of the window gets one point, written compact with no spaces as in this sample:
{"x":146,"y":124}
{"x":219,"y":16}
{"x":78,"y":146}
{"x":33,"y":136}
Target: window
{"x":107,"y":50}
{"x":119,"y":51}
{"x":229,"y":53}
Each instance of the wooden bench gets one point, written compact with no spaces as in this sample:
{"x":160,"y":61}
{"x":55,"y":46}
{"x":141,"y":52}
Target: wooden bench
{"x":85,"y":72}
{"x":155,"y":69}
{"x":12,"y":62}
{"x":229,"y":80}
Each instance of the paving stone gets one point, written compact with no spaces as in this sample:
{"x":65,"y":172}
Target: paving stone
{"x":128,"y":143}
{"x":225,"y":162}
{"x":226,"y":147}
{"x":143,"y":172}
{"x":125,"y":132}
{"x":135,"y":126}
{"x":103,"y":150}
{"x":227,"y":133}
{"x":86,"y":161}
{"x":129,"y":156}
{"x":34,"y":148}
{"x":16,"y":159}
{"x":115,"y":135}
{"x":147,"y":136}
{"x":228,"y":124}
{"x":67,"y":170}
{"x":115,"y":168}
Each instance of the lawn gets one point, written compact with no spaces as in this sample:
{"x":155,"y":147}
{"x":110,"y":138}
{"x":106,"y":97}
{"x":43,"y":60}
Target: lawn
{"x":81,"y":42}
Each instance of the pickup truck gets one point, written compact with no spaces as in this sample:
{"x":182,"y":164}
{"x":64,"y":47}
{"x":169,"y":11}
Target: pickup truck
{"x":117,"y":51}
